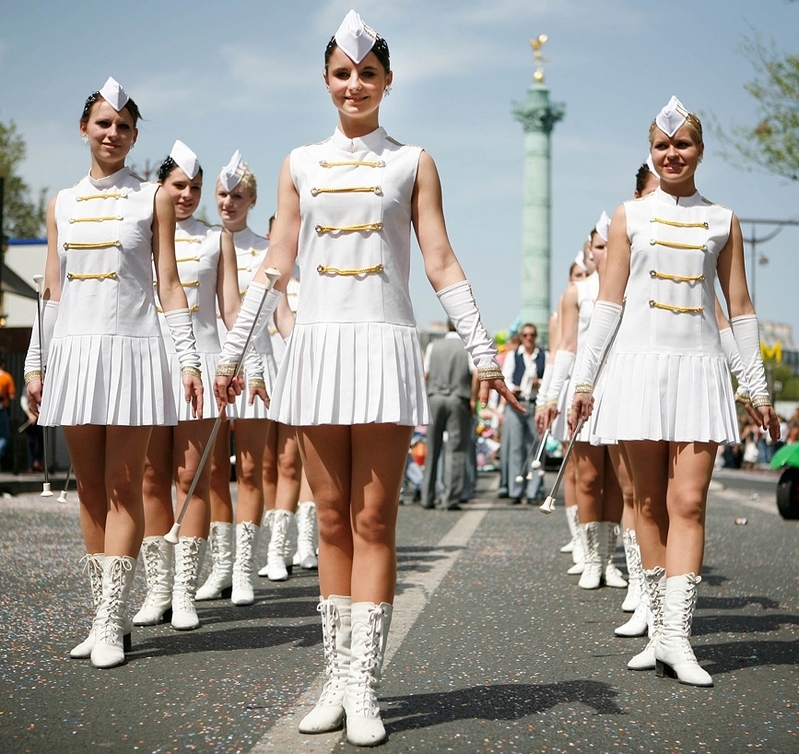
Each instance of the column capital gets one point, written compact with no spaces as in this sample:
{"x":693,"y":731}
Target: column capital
{"x":538,"y":113}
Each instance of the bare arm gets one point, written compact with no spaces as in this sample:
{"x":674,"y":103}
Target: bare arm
{"x":284,"y":318}
{"x":52,"y":266}
{"x":613,"y":277}
{"x":732,"y":274}
{"x":569,"y":316}
{"x":170,"y":291}
{"x":227,"y":280}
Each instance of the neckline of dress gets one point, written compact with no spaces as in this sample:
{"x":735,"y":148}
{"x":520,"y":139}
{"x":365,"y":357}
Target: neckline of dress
{"x":677,"y":201}
{"x":368,"y":142}
{"x":109,"y":180}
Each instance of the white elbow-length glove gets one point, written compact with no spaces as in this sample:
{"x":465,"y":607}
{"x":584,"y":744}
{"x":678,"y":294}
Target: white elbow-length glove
{"x":36,"y":357}
{"x":604,"y":323}
{"x":733,"y":355}
{"x":180,"y":328}
{"x":546,"y":379}
{"x":561,"y":369}
{"x":747,"y":336}
{"x":458,"y":302}
{"x":250,"y":319}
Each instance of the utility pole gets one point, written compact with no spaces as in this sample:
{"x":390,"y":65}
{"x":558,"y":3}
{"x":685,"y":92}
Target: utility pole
{"x":754,"y":240}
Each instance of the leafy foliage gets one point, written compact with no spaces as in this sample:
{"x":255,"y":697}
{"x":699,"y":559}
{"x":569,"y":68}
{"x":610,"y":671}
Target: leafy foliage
{"x":23,"y":217}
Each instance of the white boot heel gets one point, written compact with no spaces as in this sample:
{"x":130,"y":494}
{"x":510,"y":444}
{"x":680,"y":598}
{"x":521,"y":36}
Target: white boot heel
{"x":219,"y":583}
{"x":156,"y":554}
{"x":246,"y":539}
{"x":110,"y":625}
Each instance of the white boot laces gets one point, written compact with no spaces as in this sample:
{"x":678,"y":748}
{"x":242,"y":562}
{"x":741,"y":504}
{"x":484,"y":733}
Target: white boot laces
{"x":330,"y":624}
{"x":365,"y":667}
{"x":109,"y":623}
{"x":92,"y":565}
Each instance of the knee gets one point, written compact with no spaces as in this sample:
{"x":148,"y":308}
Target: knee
{"x":333,"y":523}
{"x":123,"y":486}
{"x":372,"y":528}
{"x":688,"y":507}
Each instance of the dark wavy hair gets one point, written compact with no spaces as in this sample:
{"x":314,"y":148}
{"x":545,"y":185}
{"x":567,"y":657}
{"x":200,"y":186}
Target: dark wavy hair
{"x":380,"y":49}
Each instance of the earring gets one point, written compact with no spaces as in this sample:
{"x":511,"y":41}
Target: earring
{"x":387,"y":91}
{"x":85,"y":138}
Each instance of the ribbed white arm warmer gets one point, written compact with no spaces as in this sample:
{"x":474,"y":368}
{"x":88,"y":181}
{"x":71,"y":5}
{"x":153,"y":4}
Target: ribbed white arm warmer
{"x":246,"y":322}
{"x":459,"y":304}
{"x":541,"y":396}
{"x":730,"y":348}
{"x":747,"y":336}
{"x":36,"y":357}
{"x":601,"y":331}
{"x":179,"y":323}
{"x":564,"y":361}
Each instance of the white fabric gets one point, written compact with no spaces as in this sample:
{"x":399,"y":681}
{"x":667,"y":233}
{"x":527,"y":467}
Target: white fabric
{"x":561,"y":369}
{"x":543,"y":388}
{"x":603,"y":226}
{"x":734,"y":361}
{"x":179,"y":323}
{"x":197,"y":252}
{"x":107,"y":363}
{"x":36,"y":357}
{"x":651,"y":165}
{"x":579,"y":260}
{"x":113,"y":93}
{"x":672,"y":117}
{"x":666,"y":377}
{"x":230,"y":175}
{"x":458,"y":302}
{"x":354,"y":37}
{"x":747,"y":336}
{"x":354,"y":355}
{"x":185,"y":159}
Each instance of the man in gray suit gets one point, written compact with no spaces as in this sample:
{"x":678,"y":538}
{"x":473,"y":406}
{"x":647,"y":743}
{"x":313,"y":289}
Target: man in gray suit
{"x":451,"y":383}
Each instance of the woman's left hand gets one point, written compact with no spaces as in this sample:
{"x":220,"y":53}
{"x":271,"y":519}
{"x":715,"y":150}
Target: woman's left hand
{"x":258,"y":392}
{"x":193,"y":392}
{"x":769,"y":421}
{"x":486,"y":386}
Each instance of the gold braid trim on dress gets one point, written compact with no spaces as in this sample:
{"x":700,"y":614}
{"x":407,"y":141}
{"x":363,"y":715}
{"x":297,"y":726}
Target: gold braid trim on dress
{"x":676,"y":278}
{"x":324,"y":270}
{"x":92,"y":276}
{"x":676,"y":309}
{"x":322,"y":229}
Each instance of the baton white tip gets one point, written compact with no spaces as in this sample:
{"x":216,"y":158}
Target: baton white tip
{"x":46,"y":491}
{"x":38,"y":278}
{"x":542,"y":473}
{"x":520,"y":478}
{"x":548,"y":505}
{"x":529,"y":476}
{"x":536,"y":464}
{"x":272,"y":275}
{"x":172,"y":535}
{"x":62,"y":498}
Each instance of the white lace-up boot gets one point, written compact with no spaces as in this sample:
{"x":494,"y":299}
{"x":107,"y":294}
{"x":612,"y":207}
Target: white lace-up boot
{"x":246,"y":539}
{"x":266,"y":533}
{"x":328,"y":714}
{"x":673,"y":654}
{"x":632,"y":556}
{"x":611,"y":575}
{"x":370,"y":625}
{"x":188,"y":557}
{"x":305,"y":556}
{"x":571,"y":520}
{"x":595,"y":540}
{"x":110,"y":624}
{"x":655,"y":591}
{"x":220,"y":580}
{"x":580,"y":548}
{"x":156,"y":554}
{"x":276,"y":554}
{"x":94,"y":565}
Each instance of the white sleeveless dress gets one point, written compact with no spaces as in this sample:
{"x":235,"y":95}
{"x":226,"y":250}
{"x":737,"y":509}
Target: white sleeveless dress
{"x":666,"y":377}
{"x":250,"y":252}
{"x":197,"y":250}
{"x":107,"y":364}
{"x":354,"y":355}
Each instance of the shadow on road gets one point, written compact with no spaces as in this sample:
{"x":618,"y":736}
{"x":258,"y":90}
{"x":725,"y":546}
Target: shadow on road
{"x":499,"y":702}
{"x":736,"y":655}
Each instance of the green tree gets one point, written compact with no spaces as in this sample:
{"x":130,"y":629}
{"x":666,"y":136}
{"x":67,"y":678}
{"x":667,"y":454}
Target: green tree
{"x":772,"y":143}
{"x":23,"y":217}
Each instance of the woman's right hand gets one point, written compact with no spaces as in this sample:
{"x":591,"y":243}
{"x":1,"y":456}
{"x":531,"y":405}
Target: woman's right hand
{"x":34,"y":393}
{"x":544,"y":420}
{"x":193,"y":392}
{"x":582,"y":406}
{"x":227,"y":389}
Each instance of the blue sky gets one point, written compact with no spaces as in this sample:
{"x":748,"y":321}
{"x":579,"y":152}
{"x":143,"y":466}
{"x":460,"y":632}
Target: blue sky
{"x":247,"y":75}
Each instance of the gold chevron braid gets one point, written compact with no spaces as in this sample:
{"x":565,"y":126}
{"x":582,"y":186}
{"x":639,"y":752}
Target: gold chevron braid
{"x":676,"y":309}
{"x":191,"y":239}
{"x":92,"y":276}
{"x":321,"y":229}
{"x":675,"y":224}
{"x":192,"y":309}
{"x":99,"y":245}
{"x":346,"y":163}
{"x":323,"y":270}
{"x":188,"y":259}
{"x":109,"y":195}
{"x":676,"y":245}
{"x":676,"y":278}
{"x":351,"y":190}
{"x":95,"y":219}
{"x":191,"y":284}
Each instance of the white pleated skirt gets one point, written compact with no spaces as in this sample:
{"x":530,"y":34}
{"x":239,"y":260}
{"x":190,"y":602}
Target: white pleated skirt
{"x":259,"y":410}
{"x":672,"y":397}
{"x":109,"y":380}
{"x":351,"y":373}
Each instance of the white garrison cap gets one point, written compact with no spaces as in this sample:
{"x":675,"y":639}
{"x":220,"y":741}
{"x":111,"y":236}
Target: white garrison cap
{"x":603,"y":225}
{"x":233,"y":172}
{"x":113,"y":93}
{"x":354,"y":37}
{"x":579,"y":260}
{"x":671,"y":118}
{"x":651,"y":166}
{"x":185,"y":159}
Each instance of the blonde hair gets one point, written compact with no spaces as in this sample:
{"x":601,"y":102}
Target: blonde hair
{"x":693,"y":124}
{"x":248,"y":181}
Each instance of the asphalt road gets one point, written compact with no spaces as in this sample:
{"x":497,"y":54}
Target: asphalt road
{"x":493,"y":647}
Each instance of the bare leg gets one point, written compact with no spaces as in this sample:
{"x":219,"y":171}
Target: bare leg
{"x":612,"y":495}
{"x":621,"y":467}
{"x":159,"y":514}
{"x":190,"y":440}
{"x":289,"y":469}
{"x":270,"y":466}
{"x":87,"y":450}
{"x":221,"y":502}
{"x":691,"y":467}
{"x":590,"y":467}
{"x":251,"y":438}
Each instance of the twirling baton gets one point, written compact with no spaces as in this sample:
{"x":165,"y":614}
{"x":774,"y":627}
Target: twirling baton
{"x":62,"y":498}
{"x":536,"y":464}
{"x":46,"y":491}
{"x":172,"y":536}
{"x":549,"y":504}
{"x":529,"y":463}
